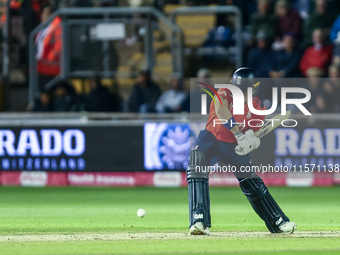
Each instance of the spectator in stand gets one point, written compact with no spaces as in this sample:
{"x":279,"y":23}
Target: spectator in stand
{"x":30,"y":12}
{"x":171,"y":100}
{"x":321,"y":18}
{"x":245,"y":7}
{"x":317,"y":102}
{"x":335,"y":36}
{"x":144,"y":94}
{"x":49,"y":45}
{"x":64,"y":97}
{"x":336,"y":60}
{"x":219,"y":36}
{"x":334,"y":85}
{"x":304,"y":7}
{"x":99,"y":99}
{"x":334,"y":73}
{"x":44,"y":103}
{"x":286,"y":61}
{"x":324,"y":92}
{"x":289,"y":19}
{"x":117,"y":100}
{"x":263,"y":19}
{"x":319,"y":55}
{"x":260,"y":59}
{"x":192,"y":102}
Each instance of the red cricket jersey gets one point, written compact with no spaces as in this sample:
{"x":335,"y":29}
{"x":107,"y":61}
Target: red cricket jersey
{"x":221,"y":132}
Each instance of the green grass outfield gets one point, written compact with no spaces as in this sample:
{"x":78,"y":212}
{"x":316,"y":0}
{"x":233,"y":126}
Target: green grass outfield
{"x":104,"y":221}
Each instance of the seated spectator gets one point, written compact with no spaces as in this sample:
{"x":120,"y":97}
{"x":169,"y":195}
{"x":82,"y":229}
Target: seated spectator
{"x":286,"y":61}
{"x":144,"y":94}
{"x":49,"y":45}
{"x":289,"y":19}
{"x":203,"y":73}
{"x":321,"y":18}
{"x":171,"y":100}
{"x":117,"y":100}
{"x":219,"y":36}
{"x":332,"y":87}
{"x":336,"y":60}
{"x":215,"y":43}
{"x":317,"y":103}
{"x":263,"y":20}
{"x":324,"y":92}
{"x":99,"y":99}
{"x":260,"y":59}
{"x":334,"y":73}
{"x":304,"y":7}
{"x":43,"y":104}
{"x":247,"y":7}
{"x":335,"y":36}
{"x":64,"y":97}
{"x":319,"y":55}
{"x":192,"y":102}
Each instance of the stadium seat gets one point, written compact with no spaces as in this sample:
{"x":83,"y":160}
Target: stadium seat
{"x":160,"y":46}
{"x":164,"y":59}
{"x":126,"y":83}
{"x":162,"y":75}
{"x":195,"y":37}
{"x":195,"y":28}
{"x":77,"y":84}
{"x":123,"y":72}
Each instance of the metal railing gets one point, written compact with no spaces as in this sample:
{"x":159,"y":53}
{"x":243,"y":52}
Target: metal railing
{"x":218,"y":10}
{"x":91,"y":16}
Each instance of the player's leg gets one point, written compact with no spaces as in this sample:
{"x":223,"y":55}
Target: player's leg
{"x":258,"y":195}
{"x":265,"y":206}
{"x":198,"y":183}
{"x":198,"y":193}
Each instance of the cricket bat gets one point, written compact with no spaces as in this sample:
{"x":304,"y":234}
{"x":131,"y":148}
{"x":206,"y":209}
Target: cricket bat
{"x":271,"y":124}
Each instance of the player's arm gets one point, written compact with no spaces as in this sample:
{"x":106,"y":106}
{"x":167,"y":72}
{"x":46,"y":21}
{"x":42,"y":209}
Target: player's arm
{"x":245,"y":142}
{"x":223,"y":113}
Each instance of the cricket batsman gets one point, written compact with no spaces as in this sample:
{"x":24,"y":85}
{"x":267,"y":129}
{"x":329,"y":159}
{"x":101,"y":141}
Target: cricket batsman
{"x":231,"y":144}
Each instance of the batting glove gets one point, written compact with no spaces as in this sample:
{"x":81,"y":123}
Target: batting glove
{"x":246,"y":142}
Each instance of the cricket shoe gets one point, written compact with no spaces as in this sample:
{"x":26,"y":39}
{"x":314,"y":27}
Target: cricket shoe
{"x":287,"y":227}
{"x":199,"y":229}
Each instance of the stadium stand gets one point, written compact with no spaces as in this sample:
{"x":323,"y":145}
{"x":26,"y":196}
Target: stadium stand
{"x":160,"y":51}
